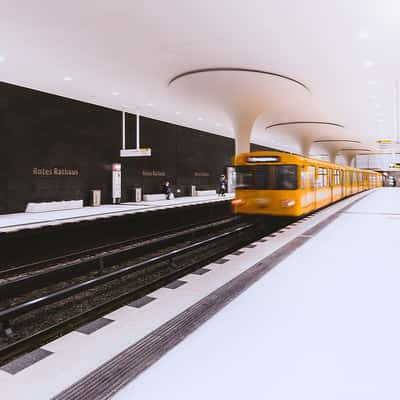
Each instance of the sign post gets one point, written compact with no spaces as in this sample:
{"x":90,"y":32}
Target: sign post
{"x":116,"y":183}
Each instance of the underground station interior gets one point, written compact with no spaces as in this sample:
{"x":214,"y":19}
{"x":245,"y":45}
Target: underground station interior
{"x":199,"y":200}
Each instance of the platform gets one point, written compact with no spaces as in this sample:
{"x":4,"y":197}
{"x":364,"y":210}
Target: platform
{"x":315,"y":319}
{"x":18,"y":221}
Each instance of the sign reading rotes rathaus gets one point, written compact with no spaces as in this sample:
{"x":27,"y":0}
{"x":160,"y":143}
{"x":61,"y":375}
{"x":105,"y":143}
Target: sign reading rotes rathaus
{"x":55,"y":172}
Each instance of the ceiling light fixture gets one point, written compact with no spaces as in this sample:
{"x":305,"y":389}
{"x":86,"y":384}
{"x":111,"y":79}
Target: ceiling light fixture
{"x":368,"y":64}
{"x":178,"y":112}
{"x":67,"y":78}
{"x":363,"y":34}
{"x":115,"y":93}
{"x":150,"y":105}
{"x":2,"y":58}
{"x":199,"y":119}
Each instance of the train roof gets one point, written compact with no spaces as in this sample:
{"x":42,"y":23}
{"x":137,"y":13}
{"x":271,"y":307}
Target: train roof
{"x":241,"y":159}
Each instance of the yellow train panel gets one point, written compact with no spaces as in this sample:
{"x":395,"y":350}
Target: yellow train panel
{"x":283,"y":184}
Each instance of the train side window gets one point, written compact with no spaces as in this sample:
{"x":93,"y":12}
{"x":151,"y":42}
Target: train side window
{"x":336,"y":177}
{"x":322,"y":177}
{"x":286,"y":177}
{"x":318,"y":180}
{"x":304,"y":174}
{"x":311,"y":174}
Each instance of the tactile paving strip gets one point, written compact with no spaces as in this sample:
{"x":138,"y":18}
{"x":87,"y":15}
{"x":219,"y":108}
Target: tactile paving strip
{"x":105,"y":381}
{"x":109,"y":378}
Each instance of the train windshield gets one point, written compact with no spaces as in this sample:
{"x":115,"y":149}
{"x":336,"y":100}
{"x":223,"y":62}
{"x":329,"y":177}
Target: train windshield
{"x":267,"y":177}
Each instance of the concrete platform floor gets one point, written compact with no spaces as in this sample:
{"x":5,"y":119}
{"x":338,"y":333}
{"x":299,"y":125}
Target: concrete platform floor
{"x":322,"y":325}
{"x":18,"y":221}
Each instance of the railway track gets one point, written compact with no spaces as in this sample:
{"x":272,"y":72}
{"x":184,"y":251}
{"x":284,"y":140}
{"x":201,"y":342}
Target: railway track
{"x":36,"y":246}
{"x":91,"y":253}
{"x":40,"y":304}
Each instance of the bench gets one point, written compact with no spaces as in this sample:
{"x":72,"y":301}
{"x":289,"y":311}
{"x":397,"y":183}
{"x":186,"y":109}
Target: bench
{"x":206,"y":192}
{"x":53,"y":206}
{"x":154,"y":197}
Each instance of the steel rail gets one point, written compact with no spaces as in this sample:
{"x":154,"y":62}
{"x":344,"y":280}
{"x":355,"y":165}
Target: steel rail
{"x":83,"y":265}
{"x":12,"y":312}
{"x":103,"y":248}
{"x":65,"y":326}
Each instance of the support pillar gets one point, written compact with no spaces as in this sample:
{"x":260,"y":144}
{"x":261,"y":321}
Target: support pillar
{"x":349,"y":159}
{"x":332,"y":156}
{"x":243,"y":136}
{"x":305,"y":148}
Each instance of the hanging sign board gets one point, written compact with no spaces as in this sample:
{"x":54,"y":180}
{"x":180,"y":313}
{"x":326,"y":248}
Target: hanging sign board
{"x":135,"y":152}
{"x":385,"y":144}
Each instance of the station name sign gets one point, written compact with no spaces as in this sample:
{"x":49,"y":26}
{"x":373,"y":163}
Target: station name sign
{"x":201,"y":174}
{"x":55,"y":172}
{"x":153,"y":173}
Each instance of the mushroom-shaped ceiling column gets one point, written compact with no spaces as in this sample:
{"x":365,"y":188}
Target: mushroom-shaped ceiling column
{"x":336,"y":146}
{"x":306,"y":135}
{"x":350,"y":153}
{"x":242,"y":94}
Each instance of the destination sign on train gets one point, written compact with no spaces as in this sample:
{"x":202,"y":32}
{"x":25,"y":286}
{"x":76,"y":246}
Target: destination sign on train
{"x":262,"y":159}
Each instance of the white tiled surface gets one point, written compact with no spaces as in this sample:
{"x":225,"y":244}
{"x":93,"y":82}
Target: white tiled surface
{"x":15,"y":222}
{"x":322,"y":325}
{"x":77,"y":354}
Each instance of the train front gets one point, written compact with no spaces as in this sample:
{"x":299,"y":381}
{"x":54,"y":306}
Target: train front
{"x":267,"y":183}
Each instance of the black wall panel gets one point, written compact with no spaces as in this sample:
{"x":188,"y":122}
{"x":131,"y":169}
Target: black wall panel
{"x":43,"y":131}
{"x":258,"y":147}
{"x":180,"y":155}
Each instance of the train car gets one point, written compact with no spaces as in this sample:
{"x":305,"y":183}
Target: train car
{"x":289,"y":185}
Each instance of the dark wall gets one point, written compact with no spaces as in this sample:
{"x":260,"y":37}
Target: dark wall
{"x":180,"y":155}
{"x":43,"y":131}
{"x":48,"y":132}
{"x":258,"y":147}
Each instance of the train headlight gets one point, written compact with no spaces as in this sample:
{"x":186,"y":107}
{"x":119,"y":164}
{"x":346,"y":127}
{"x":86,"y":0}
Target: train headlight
{"x":288,"y":203}
{"x":237,"y":202}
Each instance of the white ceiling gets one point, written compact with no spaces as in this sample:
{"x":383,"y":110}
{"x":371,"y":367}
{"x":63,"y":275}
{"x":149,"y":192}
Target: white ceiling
{"x":345,"y":52}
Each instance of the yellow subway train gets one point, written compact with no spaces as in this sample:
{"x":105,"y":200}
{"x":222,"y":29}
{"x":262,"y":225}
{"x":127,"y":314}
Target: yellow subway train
{"x":288,"y":185}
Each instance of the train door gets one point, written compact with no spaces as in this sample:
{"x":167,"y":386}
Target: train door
{"x":343,"y":183}
{"x":351,"y":182}
{"x":312,"y":189}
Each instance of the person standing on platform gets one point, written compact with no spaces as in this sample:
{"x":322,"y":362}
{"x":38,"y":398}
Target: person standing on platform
{"x":222,"y":185}
{"x":166,"y":189}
